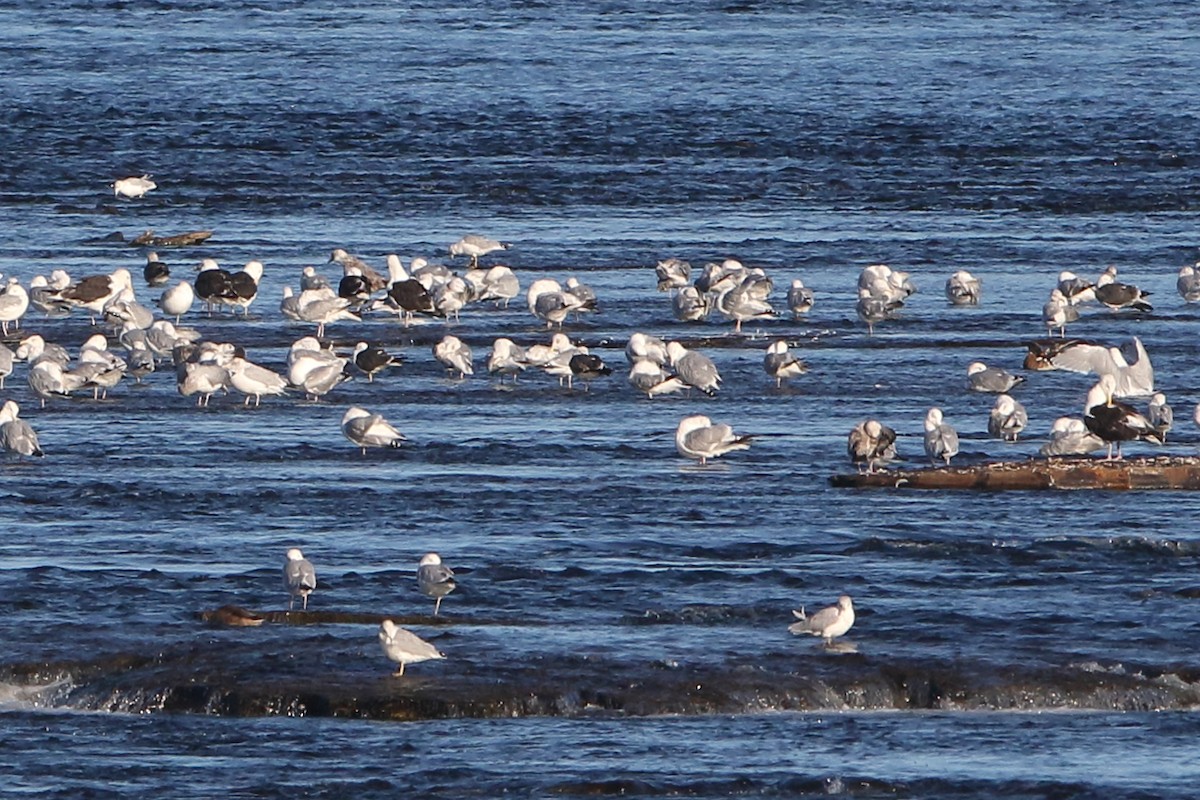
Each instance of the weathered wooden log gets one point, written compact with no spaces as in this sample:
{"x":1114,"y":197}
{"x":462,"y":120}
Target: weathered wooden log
{"x":1042,"y":473}
{"x":148,"y":239}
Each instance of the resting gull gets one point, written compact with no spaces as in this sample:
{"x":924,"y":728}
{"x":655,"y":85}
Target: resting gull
{"x":941,"y":440}
{"x":1057,"y":312}
{"x":982,"y":378}
{"x":347,"y":261}
{"x":506,"y":358}
{"x":649,"y":377}
{"x":177,"y":300}
{"x":455,"y":355}
{"x":644,"y":347}
{"x":694,"y":368}
{"x":435,"y":579}
{"x":405,"y":647}
{"x":254,"y":380}
{"x":156,"y":272}
{"x":1160,"y":414}
{"x":697,"y":437}
{"x":828,"y":623}
{"x":372,"y":359}
{"x":16,"y":435}
{"x":1188,"y":284}
{"x":14,"y":302}
{"x":1069,"y":436}
{"x":689,"y":305}
{"x":299,"y":578}
{"x":672,"y":273}
{"x":369,"y":430}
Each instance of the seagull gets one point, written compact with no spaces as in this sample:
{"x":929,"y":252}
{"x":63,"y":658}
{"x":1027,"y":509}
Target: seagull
{"x":689,"y":305}
{"x":347,"y":261}
{"x":941,"y":440}
{"x":369,"y":430}
{"x":672,"y":273}
{"x":405,"y":647}
{"x":455,"y":355}
{"x":211,"y":283}
{"x":1188,"y":284}
{"x":963,"y":289}
{"x":694,"y":368}
{"x":587,"y":367}
{"x":780,"y":365}
{"x":202,"y":379}
{"x":1058,"y":312}
{"x":644,"y":347}
{"x":697,"y":437}
{"x":177,"y":300}
{"x":506,"y":358}
{"x":315,"y":370}
{"x":475,"y":246}
{"x":828,"y":623}
{"x":499,"y":284}
{"x":371,"y":358}
{"x":549,"y":302}
{"x":7,"y":357}
{"x":94,"y":292}
{"x":871,"y":444}
{"x":311,"y":279}
{"x":649,"y":377}
{"x":132,"y":187}
{"x":14,"y":302}
{"x":16,"y":435}
{"x":1113,"y":421}
{"x":740,"y":303}
{"x":1075,"y":289}
{"x":1160,"y":414}
{"x":982,"y":378}
{"x":799,"y":298}
{"x":299,"y":578}
{"x":1121,"y":295}
{"x":1069,"y":436}
{"x":872,"y":309}
{"x":243,"y":287}
{"x":47,"y":298}
{"x":1134,"y":378}
{"x":435,"y":579}
{"x":1007,"y":418}
{"x":155,"y":272}
{"x":253,"y":380}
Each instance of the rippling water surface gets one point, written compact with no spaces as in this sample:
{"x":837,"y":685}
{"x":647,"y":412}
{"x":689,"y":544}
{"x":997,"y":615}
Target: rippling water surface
{"x":621,"y":621}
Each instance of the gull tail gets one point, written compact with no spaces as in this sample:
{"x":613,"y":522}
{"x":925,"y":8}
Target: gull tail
{"x":1141,"y":305}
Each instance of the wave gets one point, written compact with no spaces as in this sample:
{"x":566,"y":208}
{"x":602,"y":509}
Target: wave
{"x":241,"y":679}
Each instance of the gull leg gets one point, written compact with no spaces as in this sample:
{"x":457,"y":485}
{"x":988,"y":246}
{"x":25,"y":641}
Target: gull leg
{"x":400,"y":672}
{"x":437,"y":604}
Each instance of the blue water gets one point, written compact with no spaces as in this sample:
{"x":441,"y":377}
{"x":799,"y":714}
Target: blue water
{"x":621,"y":621}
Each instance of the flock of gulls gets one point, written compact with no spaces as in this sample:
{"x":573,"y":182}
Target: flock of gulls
{"x":141,"y":342}
{"x":436,"y":580}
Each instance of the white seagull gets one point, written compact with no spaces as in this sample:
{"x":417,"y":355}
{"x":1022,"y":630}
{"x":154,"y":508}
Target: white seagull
{"x":299,"y":578}
{"x":405,"y":647}
{"x":697,"y":437}
{"x":435,"y":579}
{"x":828,"y":623}
{"x":369,"y":430}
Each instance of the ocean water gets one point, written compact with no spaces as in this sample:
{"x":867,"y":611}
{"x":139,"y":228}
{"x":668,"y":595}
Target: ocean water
{"x":620,"y":625}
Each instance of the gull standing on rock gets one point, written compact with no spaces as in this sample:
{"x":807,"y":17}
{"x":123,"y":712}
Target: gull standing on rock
{"x":405,"y":647}
{"x":435,"y":579}
{"x":871,"y":444}
{"x":828,"y":623}
{"x":299,"y":578}
{"x":1113,"y":421}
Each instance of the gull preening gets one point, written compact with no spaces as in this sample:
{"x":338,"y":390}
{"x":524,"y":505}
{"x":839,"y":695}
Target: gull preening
{"x":941,"y":440}
{"x":697,"y":437}
{"x":1069,"y":436}
{"x":405,"y":647}
{"x":963,"y":289}
{"x":1058,"y":312}
{"x":828,"y":623}
{"x":299,"y":578}
{"x":672,"y":273}
{"x":871,"y":444}
{"x":16,"y":435}
{"x":365,"y":429}
{"x":1160,"y":413}
{"x":694,"y":368}
{"x":435,"y":579}
{"x":799,"y":298}
{"x":14,"y":302}
{"x":1007,"y":418}
{"x":780,"y":364}
{"x":454,"y":355}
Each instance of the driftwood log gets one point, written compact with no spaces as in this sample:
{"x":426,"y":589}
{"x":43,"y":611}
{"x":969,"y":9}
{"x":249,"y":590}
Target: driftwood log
{"x":1044,"y":473}
{"x":148,"y":239}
